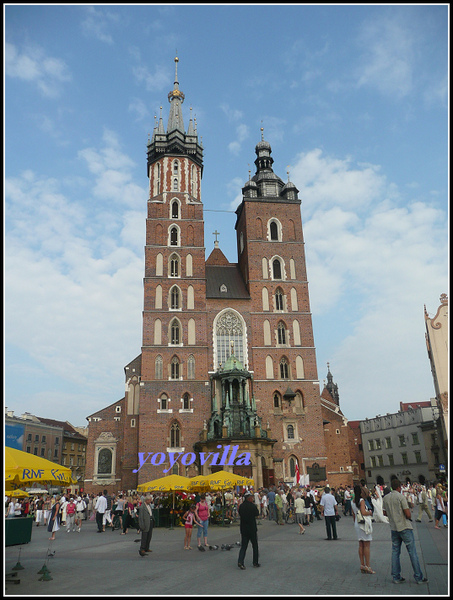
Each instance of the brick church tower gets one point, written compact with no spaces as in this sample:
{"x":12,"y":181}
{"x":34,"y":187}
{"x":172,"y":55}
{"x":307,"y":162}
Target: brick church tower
{"x":174,"y":388}
{"x":228,"y":356}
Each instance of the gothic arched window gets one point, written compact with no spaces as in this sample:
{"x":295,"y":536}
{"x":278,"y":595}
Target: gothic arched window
{"x":174,"y":368}
{"x":175,"y":298}
{"x":281,"y":333}
{"x":164,"y":402}
{"x":174,"y":266}
{"x":175,"y":332}
{"x":159,"y":367}
{"x":175,"y":209}
{"x":284,"y":369}
{"x":290,"y":432}
{"x":279,"y":299}
{"x":175,"y":436}
{"x":191,"y":367}
{"x":276,"y":269}
{"x":273,"y":228}
{"x":186,"y":401}
{"x":230,"y":335}
{"x":174,"y":236}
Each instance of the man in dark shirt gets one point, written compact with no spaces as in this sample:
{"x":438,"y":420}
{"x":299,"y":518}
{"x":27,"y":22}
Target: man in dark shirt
{"x":248,"y":512}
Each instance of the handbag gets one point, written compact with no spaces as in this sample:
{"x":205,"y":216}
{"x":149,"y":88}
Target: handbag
{"x":360,"y":517}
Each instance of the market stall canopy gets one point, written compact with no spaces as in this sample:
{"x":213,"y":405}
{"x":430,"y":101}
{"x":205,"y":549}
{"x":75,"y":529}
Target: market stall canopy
{"x":171,"y":483}
{"x":19,"y":494}
{"x":23,"y":468}
{"x":222,"y":480}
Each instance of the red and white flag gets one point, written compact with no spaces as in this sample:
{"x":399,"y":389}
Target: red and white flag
{"x":297,"y":474}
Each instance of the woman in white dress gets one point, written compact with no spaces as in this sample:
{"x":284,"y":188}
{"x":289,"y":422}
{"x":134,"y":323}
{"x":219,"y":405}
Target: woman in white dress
{"x":378,"y":514}
{"x":359,"y":505}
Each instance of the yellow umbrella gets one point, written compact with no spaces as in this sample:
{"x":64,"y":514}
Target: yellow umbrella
{"x":22,"y":468}
{"x":170,"y":483}
{"x":222,"y":480}
{"x":19,"y":494}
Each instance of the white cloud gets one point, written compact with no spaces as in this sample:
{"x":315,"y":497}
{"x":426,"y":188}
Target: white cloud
{"x":154,"y":81}
{"x":242,"y":131}
{"x":33,"y":66}
{"x":113,"y":170}
{"x":323,"y":178}
{"x":373,"y":262}
{"x":73,"y":272}
{"x":97,"y":22}
{"x":139,"y":108}
{"x":388,"y":57}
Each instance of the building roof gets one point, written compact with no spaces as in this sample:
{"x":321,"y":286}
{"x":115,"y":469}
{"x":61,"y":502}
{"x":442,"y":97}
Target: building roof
{"x":67,"y":427}
{"x":217,"y":258}
{"x":225,"y":281}
{"x":408,"y":405}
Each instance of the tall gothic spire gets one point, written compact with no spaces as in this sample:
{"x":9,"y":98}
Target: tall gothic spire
{"x":176,"y":98}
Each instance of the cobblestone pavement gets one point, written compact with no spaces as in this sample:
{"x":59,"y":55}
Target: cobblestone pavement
{"x":88,"y":563}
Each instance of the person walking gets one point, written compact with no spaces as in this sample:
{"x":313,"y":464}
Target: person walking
{"x":146,"y":524}
{"x":309,"y":506}
{"x":278,"y":502}
{"x":264,"y":505}
{"x":39,"y":510}
{"x":299,"y":507}
{"x":271,"y":504}
{"x":189,"y":519}
{"x":80,"y":511}
{"x":119,"y":509}
{"x":397,"y":510}
{"x":359,"y":510}
{"x":107,"y":517}
{"x":423,"y":505}
{"x":100,"y":508}
{"x":71,"y":515}
{"x":54,"y":518}
{"x":440,"y":506}
{"x":248,"y":514}
{"x":329,"y":511}
{"x":347,"y":502}
{"x":46,"y":508}
{"x":128,"y":519}
{"x":202,"y":516}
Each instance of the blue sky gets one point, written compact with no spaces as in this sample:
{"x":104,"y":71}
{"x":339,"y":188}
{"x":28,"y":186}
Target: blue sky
{"x":354,"y":101}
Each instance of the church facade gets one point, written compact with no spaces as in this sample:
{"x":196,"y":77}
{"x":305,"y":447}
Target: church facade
{"x":228,"y":358}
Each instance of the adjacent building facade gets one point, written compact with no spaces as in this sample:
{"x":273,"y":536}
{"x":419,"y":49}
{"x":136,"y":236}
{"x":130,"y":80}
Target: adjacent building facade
{"x":342,"y":439}
{"x":57,"y":441}
{"x":401,"y":445}
{"x":437,"y":333}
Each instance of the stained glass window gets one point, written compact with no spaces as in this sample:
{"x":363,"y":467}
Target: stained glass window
{"x":230,"y":336}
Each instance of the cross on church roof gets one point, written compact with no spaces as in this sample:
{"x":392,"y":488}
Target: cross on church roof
{"x":216,"y":243}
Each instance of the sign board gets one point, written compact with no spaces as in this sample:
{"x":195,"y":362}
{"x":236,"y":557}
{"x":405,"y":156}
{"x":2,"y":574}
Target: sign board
{"x":316,"y":473}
